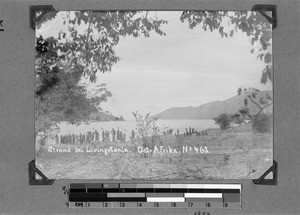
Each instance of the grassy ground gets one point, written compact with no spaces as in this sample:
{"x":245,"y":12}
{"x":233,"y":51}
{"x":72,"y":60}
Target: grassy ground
{"x":235,"y":154}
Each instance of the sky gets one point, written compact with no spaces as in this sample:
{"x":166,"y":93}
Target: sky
{"x":187,"y":67}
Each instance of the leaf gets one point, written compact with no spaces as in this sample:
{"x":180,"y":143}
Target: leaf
{"x":264,"y":78}
{"x":221,"y":30}
{"x":261,"y":100}
{"x":269,"y":73}
{"x":268,"y":58}
{"x":263,"y":42}
{"x":239,"y":91}
{"x":260,"y":56}
{"x":268,"y":97}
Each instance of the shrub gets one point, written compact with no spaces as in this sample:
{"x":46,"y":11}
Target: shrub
{"x":147,"y":132}
{"x":237,"y":119}
{"x":262,"y":123}
{"x":223,"y":120}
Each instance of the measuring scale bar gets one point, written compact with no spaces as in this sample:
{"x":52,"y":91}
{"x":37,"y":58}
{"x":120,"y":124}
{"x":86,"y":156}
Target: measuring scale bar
{"x":155,"y":195}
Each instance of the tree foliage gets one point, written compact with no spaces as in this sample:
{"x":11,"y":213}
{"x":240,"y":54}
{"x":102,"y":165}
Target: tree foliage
{"x":227,"y":23}
{"x":223,"y":120}
{"x":237,"y":119}
{"x":83,"y":47}
{"x":251,"y":95}
{"x":92,"y":45}
{"x":59,"y":96}
{"x":77,"y":53}
{"x":148,"y":133}
{"x":262,"y":123}
{"x":259,"y":31}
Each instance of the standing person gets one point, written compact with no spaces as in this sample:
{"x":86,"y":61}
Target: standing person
{"x":103,"y":135}
{"x":93,"y":137}
{"x":80,"y":138}
{"x":76,"y":139}
{"x":107,"y":136}
{"x":132,"y":135}
{"x":124,"y":137}
{"x":88,"y":136}
{"x":56,"y":139}
{"x":73,"y":138}
{"x":177,"y":132}
{"x":113,"y":135}
{"x":118,"y":135}
{"x":83,"y":138}
{"x":96,"y":136}
{"x":121,"y":136}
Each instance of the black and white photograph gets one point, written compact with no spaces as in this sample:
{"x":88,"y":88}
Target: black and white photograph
{"x":153,"y":95}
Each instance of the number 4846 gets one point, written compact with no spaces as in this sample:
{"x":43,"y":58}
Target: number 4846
{"x":201,"y":213}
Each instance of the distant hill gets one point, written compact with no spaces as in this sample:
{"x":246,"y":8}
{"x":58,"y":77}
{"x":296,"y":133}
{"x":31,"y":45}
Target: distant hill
{"x":212,"y":109}
{"x":100,"y":116}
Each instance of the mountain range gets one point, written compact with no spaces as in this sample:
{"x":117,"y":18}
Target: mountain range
{"x":213,"y":109}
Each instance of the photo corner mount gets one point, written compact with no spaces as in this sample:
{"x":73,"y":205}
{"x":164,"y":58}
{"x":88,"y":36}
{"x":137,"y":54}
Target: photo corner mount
{"x":262,"y":181}
{"x":36,"y":12}
{"x":32,"y":170}
{"x":262,"y":8}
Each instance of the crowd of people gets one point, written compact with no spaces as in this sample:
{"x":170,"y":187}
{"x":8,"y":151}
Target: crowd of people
{"x":109,"y":136}
{"x":115,"y":136}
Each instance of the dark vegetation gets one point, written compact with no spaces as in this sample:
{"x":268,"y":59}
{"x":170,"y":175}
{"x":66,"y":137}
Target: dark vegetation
{"x":104,"y":116}
{"x":223,"y":120}
{"x":262,"y":123}
{"x":63,"y":62}
{"x":227,"y":23}
{"x":66,"y":64}
{"x":259,"y":30}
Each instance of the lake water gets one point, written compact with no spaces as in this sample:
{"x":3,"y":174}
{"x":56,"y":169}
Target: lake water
{"x":128,"y":125}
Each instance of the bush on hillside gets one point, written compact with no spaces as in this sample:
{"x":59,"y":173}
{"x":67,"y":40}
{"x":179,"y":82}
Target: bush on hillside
{"x":262,"y":123}
{"x":223,"y":120}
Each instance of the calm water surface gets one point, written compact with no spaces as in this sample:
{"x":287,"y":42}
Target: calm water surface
{"x":129,"y":125}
